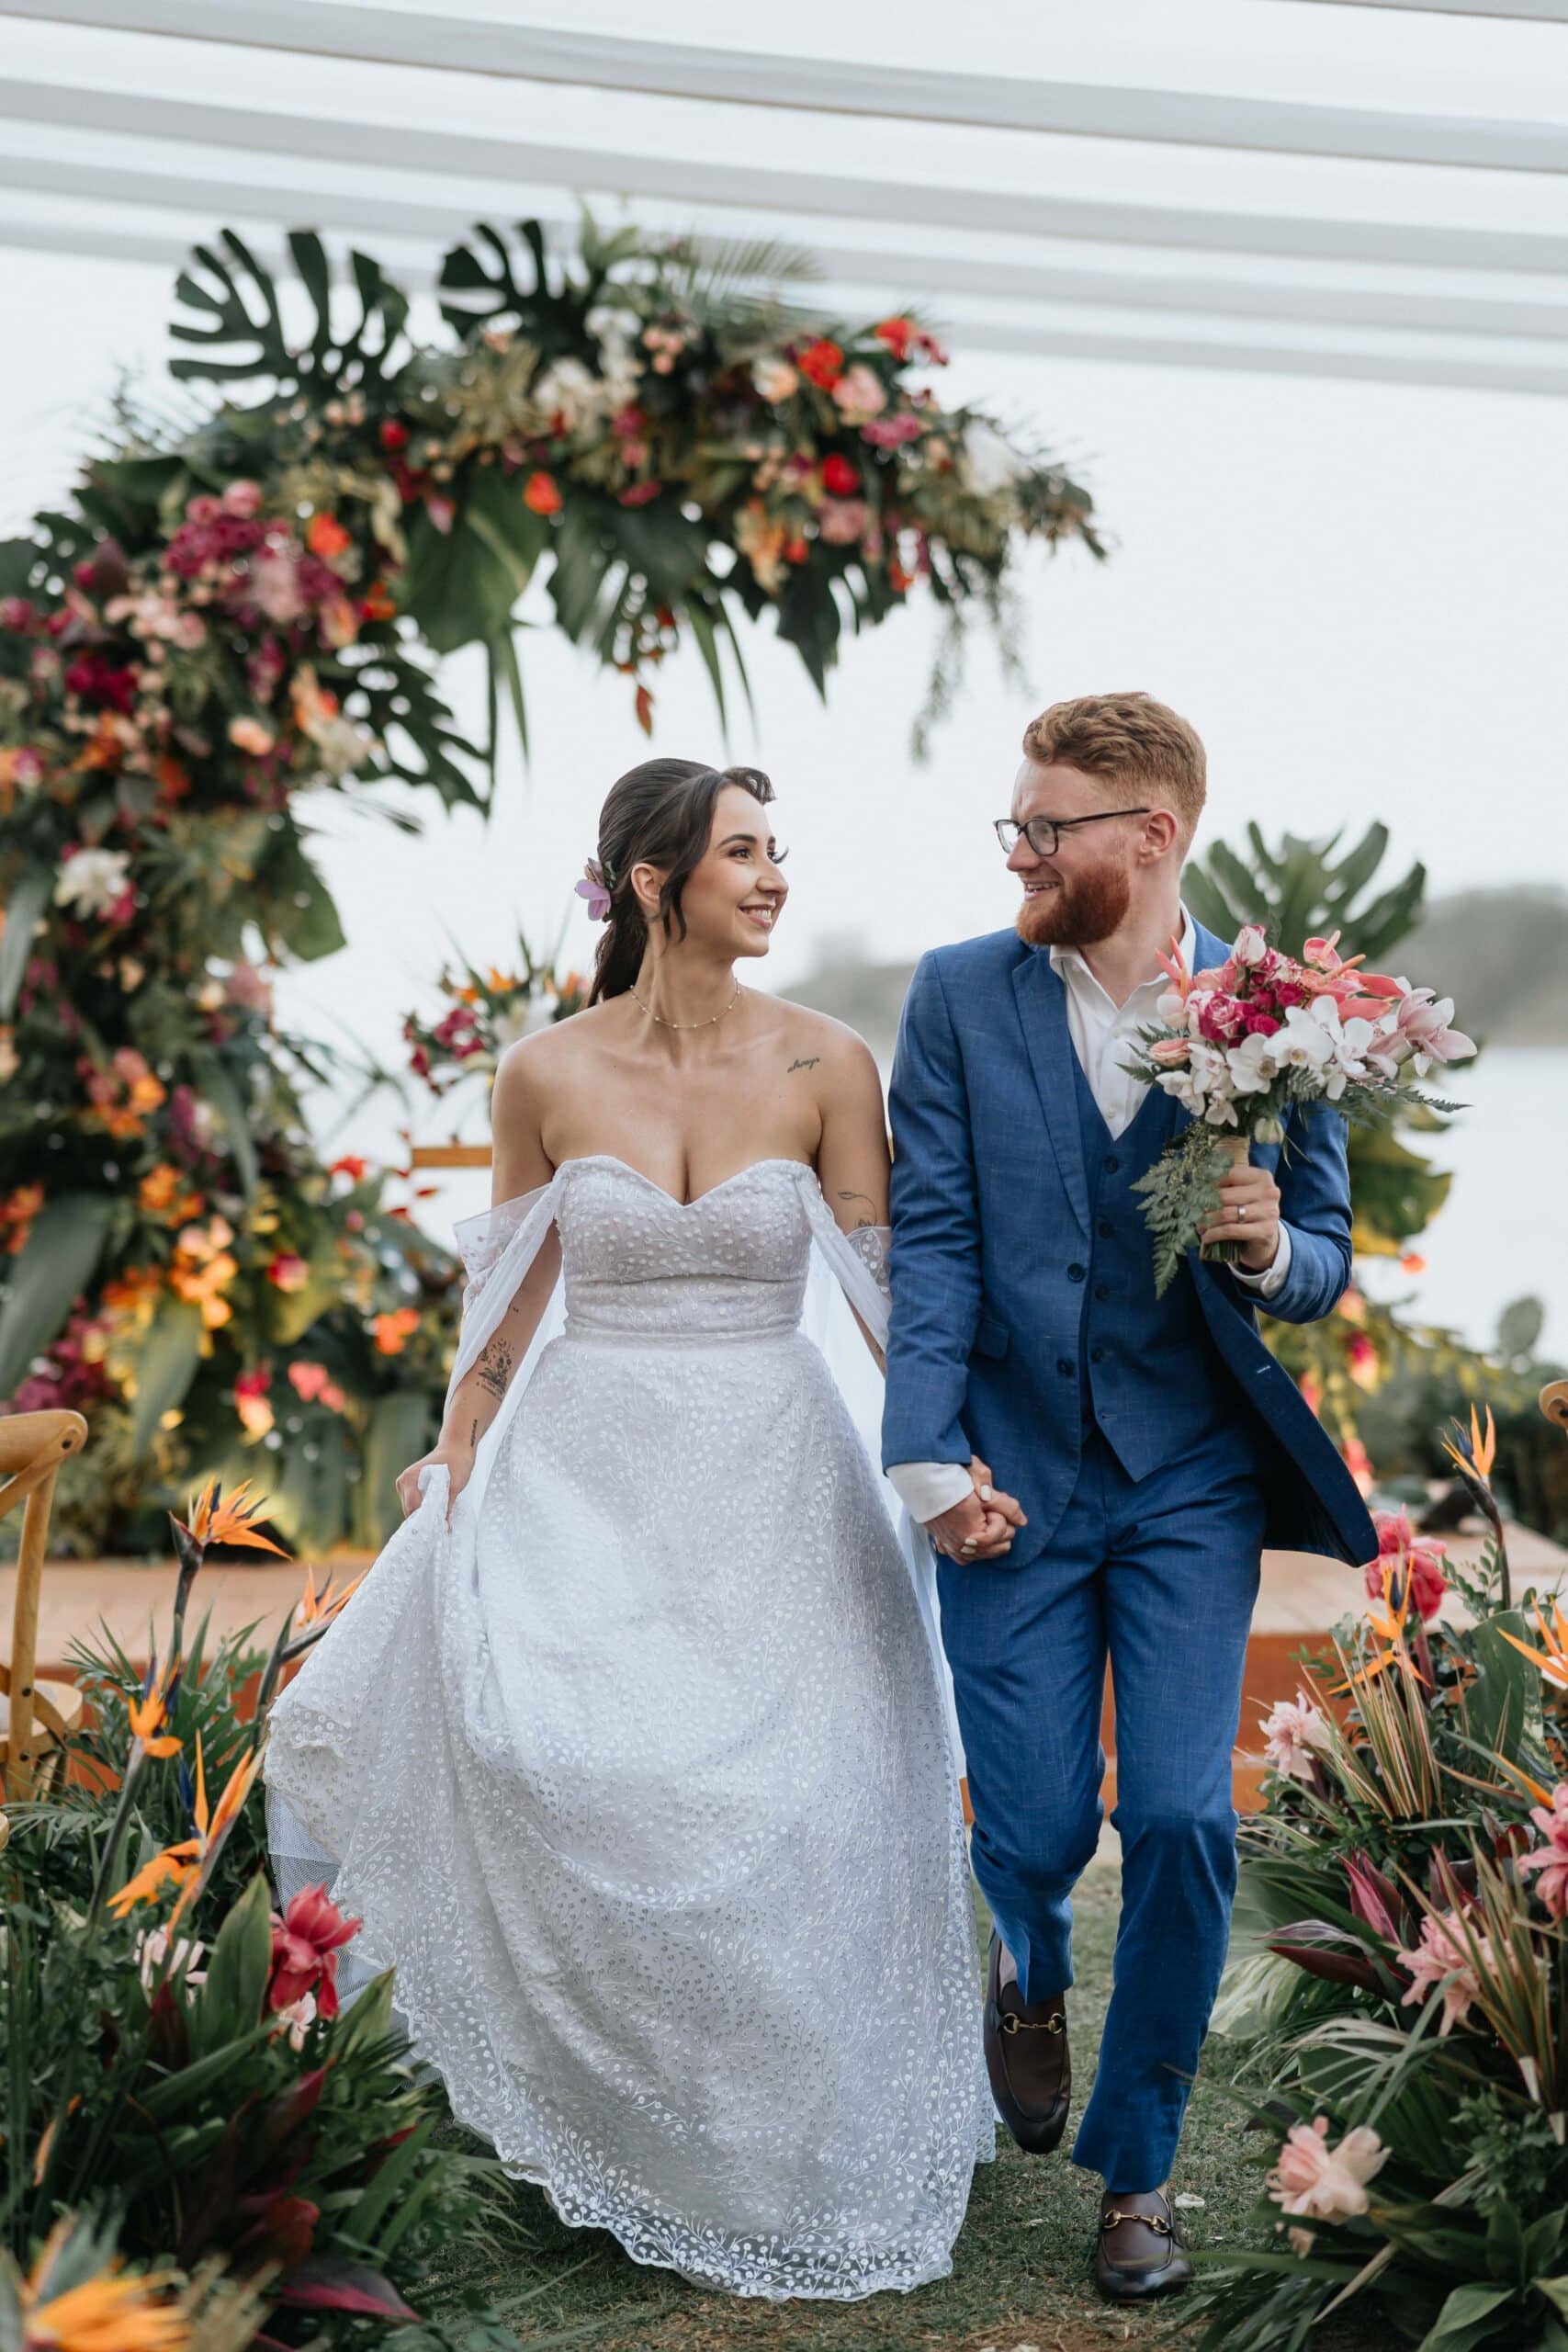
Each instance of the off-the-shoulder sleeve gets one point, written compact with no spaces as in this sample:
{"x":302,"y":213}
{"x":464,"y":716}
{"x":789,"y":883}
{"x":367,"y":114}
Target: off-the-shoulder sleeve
{"x":481,"y":1239}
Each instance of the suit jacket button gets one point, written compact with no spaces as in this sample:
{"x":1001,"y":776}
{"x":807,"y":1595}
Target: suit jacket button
{"x":1065,"y":1366}
{"x":1077,"y":1273}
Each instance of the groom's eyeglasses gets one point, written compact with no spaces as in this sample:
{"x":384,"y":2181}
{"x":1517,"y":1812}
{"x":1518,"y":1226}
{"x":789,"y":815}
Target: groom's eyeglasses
{"x":1043,"y":834}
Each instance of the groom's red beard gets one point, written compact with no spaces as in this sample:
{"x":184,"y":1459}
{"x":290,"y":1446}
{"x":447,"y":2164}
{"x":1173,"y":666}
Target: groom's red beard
{"x":1079,"y":912}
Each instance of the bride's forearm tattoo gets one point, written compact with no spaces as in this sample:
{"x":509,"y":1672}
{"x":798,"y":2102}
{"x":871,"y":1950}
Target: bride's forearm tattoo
{"x":870,"y":1219}
{"x":495,"y":1366}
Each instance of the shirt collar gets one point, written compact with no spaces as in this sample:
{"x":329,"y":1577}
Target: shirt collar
{"x":1071,"y":966}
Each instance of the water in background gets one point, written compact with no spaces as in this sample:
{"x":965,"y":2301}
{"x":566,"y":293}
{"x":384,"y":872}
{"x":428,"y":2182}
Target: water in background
{"x":1500,"y":1235}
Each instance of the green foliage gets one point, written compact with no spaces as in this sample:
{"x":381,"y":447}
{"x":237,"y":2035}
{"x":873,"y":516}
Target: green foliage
{"x":157,"y":2096}
{"x":1463,"y":2241}
{"x":1298,"y":892}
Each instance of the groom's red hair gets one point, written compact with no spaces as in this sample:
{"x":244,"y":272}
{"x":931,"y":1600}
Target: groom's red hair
{"x":1123,"y":739}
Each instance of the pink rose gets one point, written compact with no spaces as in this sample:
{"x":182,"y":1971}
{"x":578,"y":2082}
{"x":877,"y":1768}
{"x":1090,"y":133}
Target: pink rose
{"x":243,"y":498}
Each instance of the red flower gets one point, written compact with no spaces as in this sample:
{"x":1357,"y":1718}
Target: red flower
{"x":394,"y":433}
{"x":305,"y":1944}
{"x":541,"y":494}
{"x":897,"y":335}
{"x":839,"y":477}
{"x":822,"y":362}
{"x":1399,"y":1547}
{"x":639,"y":493}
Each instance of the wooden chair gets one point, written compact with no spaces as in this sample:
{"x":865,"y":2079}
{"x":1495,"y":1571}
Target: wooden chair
{"x":35,"y":1718}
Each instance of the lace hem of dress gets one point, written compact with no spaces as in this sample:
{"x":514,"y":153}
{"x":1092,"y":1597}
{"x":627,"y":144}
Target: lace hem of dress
{"x":762,"y":2267}
{"x":872,"y":1244}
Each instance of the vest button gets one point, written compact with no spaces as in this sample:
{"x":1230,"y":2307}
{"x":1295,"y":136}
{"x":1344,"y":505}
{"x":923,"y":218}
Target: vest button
{"x":1077,"y":1273}
{"x":1102,"y":1289}
{"x":1096,"y":1355}
{"x":1065,"y":1366}
{"x":1107,"y":1232}
{"x":1111,"y":1163}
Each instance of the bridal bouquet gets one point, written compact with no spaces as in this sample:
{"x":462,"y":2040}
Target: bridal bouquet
{"x":1240,"y":1046}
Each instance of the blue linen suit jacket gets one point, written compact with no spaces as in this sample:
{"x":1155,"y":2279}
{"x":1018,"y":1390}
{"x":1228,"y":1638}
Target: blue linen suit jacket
{"x":990,"y":1201}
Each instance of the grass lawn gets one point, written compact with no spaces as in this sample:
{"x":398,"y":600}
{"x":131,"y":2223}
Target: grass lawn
{"x":1022,"y":2279}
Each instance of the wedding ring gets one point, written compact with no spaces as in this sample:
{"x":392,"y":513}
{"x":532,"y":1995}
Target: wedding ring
{"x":1241,"y":1217}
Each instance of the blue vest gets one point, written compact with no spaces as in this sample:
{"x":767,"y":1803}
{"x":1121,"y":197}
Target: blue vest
{"x":1150,"y":1376}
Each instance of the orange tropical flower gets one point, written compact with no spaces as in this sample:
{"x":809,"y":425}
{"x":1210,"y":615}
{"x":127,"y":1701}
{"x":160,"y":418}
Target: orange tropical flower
{"x":1482,"y":1448}
{"x":312,"y":1609}
{"x":114,"y":2312}
{"x":541,"y":494}
{"x":327,"y":538}
{"x":213,"y":1520}
{"x":46,"y":2138}
{"x":392,"y":1330}
{"x":176,"y":1866}
{"x":148,"y":1714}
{"x":1552,"y":1656}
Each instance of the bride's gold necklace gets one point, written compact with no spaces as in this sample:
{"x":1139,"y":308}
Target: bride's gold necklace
{"x":708,"y":1023}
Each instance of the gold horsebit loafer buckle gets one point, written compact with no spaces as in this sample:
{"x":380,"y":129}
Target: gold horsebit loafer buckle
{"x":1055,"y":2023}
{"x":1113,"y":2220}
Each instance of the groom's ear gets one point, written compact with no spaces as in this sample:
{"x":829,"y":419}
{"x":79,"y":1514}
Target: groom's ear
{"x":1161,"y":836}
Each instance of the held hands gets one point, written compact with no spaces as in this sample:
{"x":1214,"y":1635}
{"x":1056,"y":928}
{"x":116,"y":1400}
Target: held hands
{"x":981,"y":1527}
{"x":1249,"y":1214}
{"x":459,"y":1461}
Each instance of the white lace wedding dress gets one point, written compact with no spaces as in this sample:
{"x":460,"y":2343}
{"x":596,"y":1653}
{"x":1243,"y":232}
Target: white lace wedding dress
{"x":641,"y":1776}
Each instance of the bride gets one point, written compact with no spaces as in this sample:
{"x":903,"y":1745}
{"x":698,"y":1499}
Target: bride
{"x":634,"y":1752}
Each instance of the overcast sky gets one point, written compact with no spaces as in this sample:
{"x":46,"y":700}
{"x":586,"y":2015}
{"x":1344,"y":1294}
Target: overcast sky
{"x":1356,"y":591}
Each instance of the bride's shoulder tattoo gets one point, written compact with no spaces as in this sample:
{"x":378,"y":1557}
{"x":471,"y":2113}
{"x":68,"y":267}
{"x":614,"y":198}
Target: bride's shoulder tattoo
{"x":804,"y":1061}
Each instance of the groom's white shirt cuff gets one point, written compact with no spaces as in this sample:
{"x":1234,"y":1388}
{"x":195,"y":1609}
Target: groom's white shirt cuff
{"x":927,"y":1488}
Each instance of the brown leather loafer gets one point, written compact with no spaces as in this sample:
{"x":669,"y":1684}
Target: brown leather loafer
{"x":1139,"y":2256}
{"x":1027,"y":2060}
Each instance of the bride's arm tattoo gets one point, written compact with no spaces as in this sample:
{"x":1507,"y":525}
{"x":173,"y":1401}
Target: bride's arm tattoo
{"x":870,"y":1218}
{"x":494,"y":1368}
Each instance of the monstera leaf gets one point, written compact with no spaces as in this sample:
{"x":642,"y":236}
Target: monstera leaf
{"x":1300,"y":893}
{"x":242,"y":333}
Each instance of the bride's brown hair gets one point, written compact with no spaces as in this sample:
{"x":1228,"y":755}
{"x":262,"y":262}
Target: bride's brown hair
{"x":658,"y":814}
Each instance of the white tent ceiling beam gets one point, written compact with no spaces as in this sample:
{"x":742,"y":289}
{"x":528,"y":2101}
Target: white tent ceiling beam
{"x":904,"y":93}
{"x":1135,"y":337}
{"x":1532,"y":12}
{"x":412,"y":150}
{"x":908,"y":269}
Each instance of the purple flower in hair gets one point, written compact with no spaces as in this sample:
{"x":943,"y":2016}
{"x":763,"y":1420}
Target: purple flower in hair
{"x":594,"y":888}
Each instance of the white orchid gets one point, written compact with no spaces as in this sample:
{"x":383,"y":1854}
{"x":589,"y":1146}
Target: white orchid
{"x":1254,"y":1064}
{"x":92,"y":880}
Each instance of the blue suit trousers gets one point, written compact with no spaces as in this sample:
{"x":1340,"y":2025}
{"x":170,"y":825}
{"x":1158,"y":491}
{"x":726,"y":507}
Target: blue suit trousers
{"x":1158,"y":1574}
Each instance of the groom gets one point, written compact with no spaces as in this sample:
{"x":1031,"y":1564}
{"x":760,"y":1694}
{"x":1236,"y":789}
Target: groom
{"x":1153,"y":1445}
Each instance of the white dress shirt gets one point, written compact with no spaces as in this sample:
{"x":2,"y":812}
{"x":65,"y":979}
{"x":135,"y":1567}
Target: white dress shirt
{"x":1101,"y":1031}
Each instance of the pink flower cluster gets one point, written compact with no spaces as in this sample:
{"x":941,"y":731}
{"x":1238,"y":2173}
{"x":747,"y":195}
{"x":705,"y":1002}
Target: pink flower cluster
{"x":1401,"y":1554}
{"x":1261,"y":1029}
{"x":1318,"y":2183}
{"x":1552,"y":1860}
